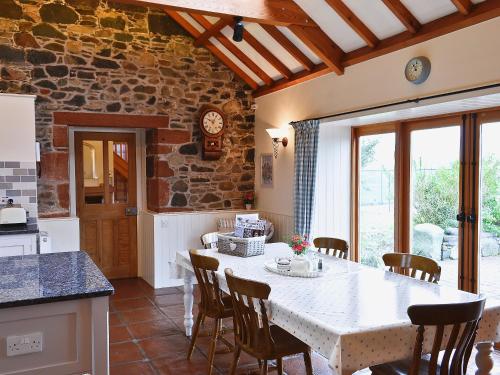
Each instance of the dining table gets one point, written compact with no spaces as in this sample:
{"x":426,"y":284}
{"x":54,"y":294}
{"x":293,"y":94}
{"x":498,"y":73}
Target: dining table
{"x":353,"y":315}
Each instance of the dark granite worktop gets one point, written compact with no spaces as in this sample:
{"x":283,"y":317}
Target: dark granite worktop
{"x":34,"y":279}
{"x":31,"y":227}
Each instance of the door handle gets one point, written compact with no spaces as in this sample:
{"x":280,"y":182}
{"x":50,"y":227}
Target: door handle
{"x":131,"y":211}
{"x":461,"y":217}
{"x":471,"y":218}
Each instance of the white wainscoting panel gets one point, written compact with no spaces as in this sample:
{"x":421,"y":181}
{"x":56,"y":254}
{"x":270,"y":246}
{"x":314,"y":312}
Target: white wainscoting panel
{"x":166,"y":233}
{"x":283,"y":225}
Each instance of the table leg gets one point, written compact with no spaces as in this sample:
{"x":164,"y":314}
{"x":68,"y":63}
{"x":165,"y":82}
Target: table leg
{"x":484,"y":358}
{"x":188,"y":303}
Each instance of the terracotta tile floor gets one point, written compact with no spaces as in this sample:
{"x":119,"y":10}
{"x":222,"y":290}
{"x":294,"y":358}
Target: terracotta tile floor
{"x":147,"y":337}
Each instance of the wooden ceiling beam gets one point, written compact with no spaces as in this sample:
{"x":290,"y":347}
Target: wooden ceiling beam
{"x":321,"y":45}
{"x":403,"y":15}
{"x":217,"y":52}
{"x":287,"y":44}
{"x":266,"y":54}
{"x":231,"y":47}
{"x":479,"y":13}
{"x":210,"y":32}
{"x":463,"y":6}
{"x":354,"y":22}
{"x":273,"y":12}
{"x":303,"y":76}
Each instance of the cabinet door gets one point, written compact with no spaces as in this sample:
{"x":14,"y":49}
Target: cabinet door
{"x":17,"y":245}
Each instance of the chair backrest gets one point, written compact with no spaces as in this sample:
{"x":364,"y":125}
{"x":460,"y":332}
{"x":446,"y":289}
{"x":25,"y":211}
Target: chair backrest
{"x":250,"y":315}
{"x":209,"y":240}
{"x":336,"y":246}
{"x":429,"y":269}
{"x":204,"y":268}
{"x":464,"y":318}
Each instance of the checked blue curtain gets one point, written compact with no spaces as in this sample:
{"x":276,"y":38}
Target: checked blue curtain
{"x":306,"y":155}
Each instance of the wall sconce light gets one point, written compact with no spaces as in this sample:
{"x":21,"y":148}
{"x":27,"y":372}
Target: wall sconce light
{"x":239,"y":29}
{"x":278,"y":136}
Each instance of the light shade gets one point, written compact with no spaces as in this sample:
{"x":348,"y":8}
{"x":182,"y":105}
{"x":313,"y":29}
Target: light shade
{"x":277,"y":132}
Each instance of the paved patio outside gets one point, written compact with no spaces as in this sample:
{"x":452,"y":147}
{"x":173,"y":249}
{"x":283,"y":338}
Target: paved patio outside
{"x":489,"y":275}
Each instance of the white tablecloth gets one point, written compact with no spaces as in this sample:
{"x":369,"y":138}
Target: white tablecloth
{"x":353,"y":315}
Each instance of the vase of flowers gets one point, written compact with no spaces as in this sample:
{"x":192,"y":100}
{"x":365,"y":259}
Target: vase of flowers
{"x":299,"y":244}
{"x":248,"y":200}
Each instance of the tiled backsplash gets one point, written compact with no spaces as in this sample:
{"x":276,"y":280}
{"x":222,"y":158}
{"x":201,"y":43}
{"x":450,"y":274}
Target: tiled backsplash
{"x":18,"y":182}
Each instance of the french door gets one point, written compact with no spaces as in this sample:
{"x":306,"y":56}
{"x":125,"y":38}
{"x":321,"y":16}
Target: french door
{"x":431,"y":187}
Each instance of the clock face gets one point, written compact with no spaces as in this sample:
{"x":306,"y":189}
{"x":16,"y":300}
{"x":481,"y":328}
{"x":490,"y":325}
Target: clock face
{"x":418,"y":69}
{"x":213,"y":122}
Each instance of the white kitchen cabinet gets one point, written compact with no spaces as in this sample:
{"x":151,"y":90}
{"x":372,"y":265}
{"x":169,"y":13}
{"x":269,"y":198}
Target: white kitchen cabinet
{"x":17,"y":244}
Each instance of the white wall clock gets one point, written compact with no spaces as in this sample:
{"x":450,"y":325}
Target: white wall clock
{"x":417,"y":70}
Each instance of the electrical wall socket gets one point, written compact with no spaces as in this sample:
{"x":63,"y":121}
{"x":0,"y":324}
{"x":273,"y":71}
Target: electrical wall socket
{"x":25,"y":344}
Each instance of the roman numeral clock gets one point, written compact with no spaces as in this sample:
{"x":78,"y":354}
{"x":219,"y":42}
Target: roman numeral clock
{"x":212,"y":123}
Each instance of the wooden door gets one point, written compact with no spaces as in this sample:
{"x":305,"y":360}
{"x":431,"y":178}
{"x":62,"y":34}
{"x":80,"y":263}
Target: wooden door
{"x":106,"y":187}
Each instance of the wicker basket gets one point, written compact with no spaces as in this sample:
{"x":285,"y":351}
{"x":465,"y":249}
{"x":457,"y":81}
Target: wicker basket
{"x":240,"y":247}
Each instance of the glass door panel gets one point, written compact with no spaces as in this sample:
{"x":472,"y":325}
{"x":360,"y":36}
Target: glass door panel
{"x":489,"y":241}
{"x":376,"y":197}
{"x":434,"y":197}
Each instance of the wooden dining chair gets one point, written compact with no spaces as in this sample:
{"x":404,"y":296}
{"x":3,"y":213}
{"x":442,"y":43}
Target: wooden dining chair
{"x":213,"y":303}
{"x":411,"y":264}
{"x":464,"y":317}
{"x":338,"y":247}
{"x":253,"y":333}
{"x":209,"y":240}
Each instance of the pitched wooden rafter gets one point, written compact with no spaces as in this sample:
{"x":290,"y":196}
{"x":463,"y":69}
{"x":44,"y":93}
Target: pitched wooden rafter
{"x":268,"y":55}
{"x":354,"y":22}
{"x":217,"y":52}
{"x":321,"y":45}
{"x":403,"y":15}
{"x":463,"y":6}
{"x":273,"y":12}
{"x":213,"y":30}
{"x":239,"y":54}
{"x":289,"y":46}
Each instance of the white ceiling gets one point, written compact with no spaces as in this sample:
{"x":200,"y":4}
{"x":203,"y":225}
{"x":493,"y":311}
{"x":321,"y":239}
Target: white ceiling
{"x":373,"y":13}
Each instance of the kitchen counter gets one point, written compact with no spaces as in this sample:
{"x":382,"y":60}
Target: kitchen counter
{"x":31,"y":227}
{"x":44,"y":278}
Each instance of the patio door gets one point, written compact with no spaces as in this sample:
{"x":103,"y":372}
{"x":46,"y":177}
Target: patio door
{"x":106,"y":200}
{"x":434,"y":172}
{"x":431,"y":187}
{"x":485,"y":262}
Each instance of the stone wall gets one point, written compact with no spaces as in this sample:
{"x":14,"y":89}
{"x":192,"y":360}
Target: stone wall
{"x":104,"y":56}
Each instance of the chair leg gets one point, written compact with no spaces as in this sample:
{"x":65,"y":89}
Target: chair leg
{"x":308,"y":362}
{"x":280,"y":366}
{"x":263,"y":369}
{"x":236,"y":358}
{"x":194,"y":336}
{"x":213,"y":345}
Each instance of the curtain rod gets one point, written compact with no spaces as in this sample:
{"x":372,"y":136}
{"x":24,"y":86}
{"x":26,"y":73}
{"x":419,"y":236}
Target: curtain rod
{"x":408,"y":101}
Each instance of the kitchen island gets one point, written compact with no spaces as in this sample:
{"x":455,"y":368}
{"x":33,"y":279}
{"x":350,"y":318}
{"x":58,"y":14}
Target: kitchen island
{"x":53,"y":315}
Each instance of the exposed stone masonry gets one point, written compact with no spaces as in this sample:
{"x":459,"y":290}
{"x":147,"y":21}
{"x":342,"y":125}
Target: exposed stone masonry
{"x":104,"y":56}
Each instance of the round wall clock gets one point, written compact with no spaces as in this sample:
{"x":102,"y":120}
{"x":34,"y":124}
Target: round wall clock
{"x":417,"y":70}
{"x":212,"y":122}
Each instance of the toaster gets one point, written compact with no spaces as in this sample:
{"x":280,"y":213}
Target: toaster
{"x":12,"y":215}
